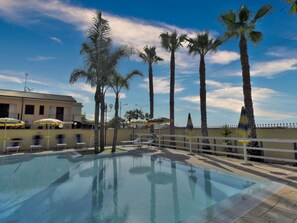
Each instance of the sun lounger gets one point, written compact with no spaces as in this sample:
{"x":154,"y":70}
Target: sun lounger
{"x":149,"y":142}
{"x":135,"y":142}
{"x":79,"y":142}
{"x":61,"y":141}
{"x":37,"y":142}
{"x":15,"y":145}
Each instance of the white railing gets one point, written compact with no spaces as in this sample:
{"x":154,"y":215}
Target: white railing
{"x":272,"y":150}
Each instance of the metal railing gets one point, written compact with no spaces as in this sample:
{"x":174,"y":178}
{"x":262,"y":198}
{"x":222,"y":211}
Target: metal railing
{"x":272,"y":150}
{"x":264,"y":126}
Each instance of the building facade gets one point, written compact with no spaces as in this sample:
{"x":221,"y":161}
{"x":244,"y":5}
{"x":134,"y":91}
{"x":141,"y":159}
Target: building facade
{"x":31,"y":106}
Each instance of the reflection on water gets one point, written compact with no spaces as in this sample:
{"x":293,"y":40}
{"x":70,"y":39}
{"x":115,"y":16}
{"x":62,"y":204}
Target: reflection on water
{"x":116,"y":189}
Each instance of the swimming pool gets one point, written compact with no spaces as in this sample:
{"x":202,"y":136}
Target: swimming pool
{"x":123,"y":188}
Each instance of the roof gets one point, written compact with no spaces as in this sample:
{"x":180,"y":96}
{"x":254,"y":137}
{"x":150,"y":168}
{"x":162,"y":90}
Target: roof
{"x":34,"y":95}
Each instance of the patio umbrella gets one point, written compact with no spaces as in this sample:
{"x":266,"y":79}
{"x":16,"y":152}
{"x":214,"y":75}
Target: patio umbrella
{"x":243,"y":130}
{"x":137,"y":122}
{"x":189,"y":132}
{"x":159,"y":121}
{"x":9,"y":122}
{"x":243,"y":125}
{"x":49,"y":122}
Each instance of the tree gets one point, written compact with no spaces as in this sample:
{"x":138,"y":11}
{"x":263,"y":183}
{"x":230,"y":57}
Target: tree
{"x":171,"y":43}
{"x":150,"y":57}
{"x":134,"y":114}
{"x":118,"y":83}
{"x":293,"y":8}
{"x":94,"y":51}
{"x":241,"y":25}
{"x":201,"y":45}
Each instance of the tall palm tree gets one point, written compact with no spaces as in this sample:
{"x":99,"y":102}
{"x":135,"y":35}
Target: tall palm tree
{"x":111,"y":61}
{"x":150,"y":57}
{"x":293,"y":8}
{"x":171,"y":42}
{"x":201,"y":45}
{"x":242,"y":25}
{"x":118,"y":83}
{"x":93,"y":51}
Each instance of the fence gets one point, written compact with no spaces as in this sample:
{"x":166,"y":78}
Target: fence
{"x":272,"y":150}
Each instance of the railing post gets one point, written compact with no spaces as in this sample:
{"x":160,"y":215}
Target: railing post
{"x":235,"y":144}
{"x":244,"y":153}
{"x":185,"y":142}
{"x":215,"y":148}
{"x":295,"y":154}
{"x":198,"y":147}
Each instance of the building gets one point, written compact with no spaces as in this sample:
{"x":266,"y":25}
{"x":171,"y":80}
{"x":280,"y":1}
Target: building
{"x":31,"y":106}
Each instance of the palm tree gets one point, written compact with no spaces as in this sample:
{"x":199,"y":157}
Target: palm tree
{"x":93,"y":51}
{"x":202,"y":44}
{"x":111,"y":60}
{"x":293,"y":4}
{"x":171,"y":43}
{"x":241,"y":25}
{"x":119,"y":82}
{"x":150,"y":57}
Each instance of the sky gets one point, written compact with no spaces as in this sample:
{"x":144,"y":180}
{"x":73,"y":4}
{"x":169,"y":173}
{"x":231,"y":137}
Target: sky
{"x":43,"y":38}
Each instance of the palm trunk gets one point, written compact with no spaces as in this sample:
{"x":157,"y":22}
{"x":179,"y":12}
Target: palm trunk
{"x":102,"y":125}
{"x":96,"y":130}
{"x":171,"y":103}
{"x":151,"y":92}
{"x":204,"y":130}
{"x":116,"y":120}
{"x":247,"y":93}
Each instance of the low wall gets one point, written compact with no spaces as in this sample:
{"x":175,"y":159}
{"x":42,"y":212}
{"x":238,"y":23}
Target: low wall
{"x":126,"y":134}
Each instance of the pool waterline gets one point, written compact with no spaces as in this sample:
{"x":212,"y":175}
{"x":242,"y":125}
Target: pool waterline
{"x":104,"y":188}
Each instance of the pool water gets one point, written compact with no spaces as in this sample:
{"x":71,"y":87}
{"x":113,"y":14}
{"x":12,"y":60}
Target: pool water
{"x":121,"y":188}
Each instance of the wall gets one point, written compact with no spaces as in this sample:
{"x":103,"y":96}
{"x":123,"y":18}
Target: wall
{"x":126,"y":134}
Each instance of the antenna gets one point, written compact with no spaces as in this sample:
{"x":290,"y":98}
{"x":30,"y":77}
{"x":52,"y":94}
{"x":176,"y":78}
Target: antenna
{"x":26,"y":88}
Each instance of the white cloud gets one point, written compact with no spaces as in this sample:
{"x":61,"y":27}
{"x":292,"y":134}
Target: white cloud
{"x":223,"y":57}
{"x":161,"y":85}
{"x":83,"y":87}
{"x":217,"y":84}
{"x":18,"y":77}
{"x":140,"y":33}
{"x":231,"y":99}
{"x":80,"y":98}
{"x":40,"y":58}
{"x":272,"y":68}
{"x":5,"y":78}
{"x":55,"y":39}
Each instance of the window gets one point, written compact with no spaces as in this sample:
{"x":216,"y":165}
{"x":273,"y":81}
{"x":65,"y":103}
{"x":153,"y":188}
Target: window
{"x":41,"y":110}
{"x":29,"y":110}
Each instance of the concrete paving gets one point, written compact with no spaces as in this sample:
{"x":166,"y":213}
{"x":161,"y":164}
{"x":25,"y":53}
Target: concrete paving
{"x":280,"y":207}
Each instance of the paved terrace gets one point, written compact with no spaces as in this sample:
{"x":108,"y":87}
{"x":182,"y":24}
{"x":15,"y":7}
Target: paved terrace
{"x":281,"y":207}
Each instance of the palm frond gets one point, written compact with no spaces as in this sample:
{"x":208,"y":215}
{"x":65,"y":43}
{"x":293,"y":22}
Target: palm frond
{"x":172,"y":41}
{"x":149,"y":56}
{"x":244,"y":14}
{"x":165,"y":41}
{"x":261,"y":12}
{"x":228,"y":19}
{"x":202,"y":44}
{"x":255,"y":36}
{"x":293,"y":9}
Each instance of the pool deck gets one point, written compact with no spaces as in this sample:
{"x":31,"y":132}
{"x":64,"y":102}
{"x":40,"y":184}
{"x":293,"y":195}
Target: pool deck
{"x":280,"y":207}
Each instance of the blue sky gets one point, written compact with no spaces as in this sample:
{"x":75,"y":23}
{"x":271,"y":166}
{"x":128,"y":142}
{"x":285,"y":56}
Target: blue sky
{"x":43,"y":38}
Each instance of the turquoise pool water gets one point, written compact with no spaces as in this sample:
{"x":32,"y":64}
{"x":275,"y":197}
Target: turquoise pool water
{"x":122,"y":188}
